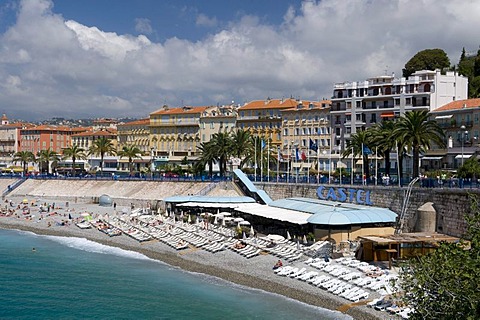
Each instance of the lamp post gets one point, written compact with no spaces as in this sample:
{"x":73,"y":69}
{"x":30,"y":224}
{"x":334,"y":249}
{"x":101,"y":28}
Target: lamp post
{"x":464,"y":133}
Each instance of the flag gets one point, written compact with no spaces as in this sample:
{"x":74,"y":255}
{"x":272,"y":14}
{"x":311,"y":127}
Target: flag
{"x":297,"y":155}
{"x":366,"y":150}
{"x":304,"y":156}
{"x":263,"y":144}
{"x":313,"y":145}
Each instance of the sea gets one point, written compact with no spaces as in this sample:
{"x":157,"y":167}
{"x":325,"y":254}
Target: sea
{"x":51,"y":277}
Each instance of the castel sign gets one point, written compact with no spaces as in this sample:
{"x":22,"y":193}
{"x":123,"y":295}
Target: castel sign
{"x":351,"y":195}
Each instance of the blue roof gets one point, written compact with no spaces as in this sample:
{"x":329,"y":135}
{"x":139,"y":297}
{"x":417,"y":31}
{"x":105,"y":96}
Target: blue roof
{"x":251,"y":187}
{"x":207,"y":199}
{"x":337,"y":213}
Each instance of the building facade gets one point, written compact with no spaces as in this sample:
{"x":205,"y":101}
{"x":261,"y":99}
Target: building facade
{"x":136,"y":133}
{"x":461,"y":122}
{"x":44,"y":137}
{"x":359,"y":105}
{"x":9,"y":139}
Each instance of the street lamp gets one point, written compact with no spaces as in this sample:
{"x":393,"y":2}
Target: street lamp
{"x":464,"y":133}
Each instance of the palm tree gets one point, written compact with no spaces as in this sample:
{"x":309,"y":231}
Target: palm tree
{"x":131,"y":152}
{"x":384,"y":140}
{"x":360,"y":142}
{"x":102,"y":146}
{"x":241,"y":146}
{"x":24,"y":157}
{"x":418,"y":132}
{"x":74,"y":153}
{"x":221,"y":148}
{"x":45,"y":157}
{"x":207,"y":156}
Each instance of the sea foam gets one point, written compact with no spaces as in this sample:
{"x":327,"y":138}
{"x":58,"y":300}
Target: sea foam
{"x":95,"y":247}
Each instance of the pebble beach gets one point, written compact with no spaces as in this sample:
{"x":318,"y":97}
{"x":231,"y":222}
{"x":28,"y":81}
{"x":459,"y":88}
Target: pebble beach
{"x":228,"y":265}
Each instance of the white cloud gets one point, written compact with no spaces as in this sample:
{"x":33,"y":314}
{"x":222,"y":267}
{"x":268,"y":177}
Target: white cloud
{"x":143,"y":25}
{"x":52,"y":67}
{"x":204,"y":21}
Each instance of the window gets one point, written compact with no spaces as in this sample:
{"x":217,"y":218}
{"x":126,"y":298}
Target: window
{"x":285,"y":132}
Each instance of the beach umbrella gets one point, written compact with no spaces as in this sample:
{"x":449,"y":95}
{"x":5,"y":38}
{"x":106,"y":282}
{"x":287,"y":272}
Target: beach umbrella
{"x":244,"y":236}
{"x":223,"y":222}
{"x":255,"y":240}
{"x":288,"y":236}
{"x":275,"y":237}
{"x":252,"y":232}
{"x":298,"y":245}
{"x":215,"y":221}
{"x":305,"y":239}
{"x":244,"y":223}
{"x":85,"y":214}
{"x":181,"y":214}
{"x":226,"y":214}
{"x":25,"y":200}
{"x":238,"y":220}
{"x":189,"y":219}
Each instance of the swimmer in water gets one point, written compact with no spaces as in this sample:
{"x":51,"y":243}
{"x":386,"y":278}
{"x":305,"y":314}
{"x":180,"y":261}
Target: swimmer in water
{"x":33,"y":249}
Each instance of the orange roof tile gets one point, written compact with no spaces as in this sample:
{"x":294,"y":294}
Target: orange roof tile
{"x":145,"y":121}
{"x":270,"y":104}
{"x":317,"y":105}
{"x":459,"y":104}
{"x":183,"y":110}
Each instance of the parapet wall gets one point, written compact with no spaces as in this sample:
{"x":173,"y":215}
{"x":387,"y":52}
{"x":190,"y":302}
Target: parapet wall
{"x":450,"y":204}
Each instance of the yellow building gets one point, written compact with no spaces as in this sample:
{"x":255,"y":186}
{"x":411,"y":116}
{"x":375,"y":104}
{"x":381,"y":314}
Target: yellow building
{"x":175,"y":132}
{"x":306,"y":137}
{"x":85,"y":139}
{"x":217,"y":119}
{"x":263,"y":118}
{"x":134,"y":133}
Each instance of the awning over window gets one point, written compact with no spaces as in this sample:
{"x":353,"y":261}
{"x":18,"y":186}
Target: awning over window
{"x":432,"y":158}
{"x":447,"y":116}
{"x":464,"y":156}
{"x":387,"y":115}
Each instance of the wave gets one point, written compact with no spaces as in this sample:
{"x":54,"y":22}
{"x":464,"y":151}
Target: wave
{"x":95,"y":247}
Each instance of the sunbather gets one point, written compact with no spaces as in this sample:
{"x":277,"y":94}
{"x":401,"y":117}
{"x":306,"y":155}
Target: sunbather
{"x":278,"y":264}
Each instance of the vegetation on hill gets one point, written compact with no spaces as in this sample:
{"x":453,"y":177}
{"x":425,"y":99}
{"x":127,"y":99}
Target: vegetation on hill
{"x":444,"y":283}
{"x":428,"y":59}
{"x":469,"y":66}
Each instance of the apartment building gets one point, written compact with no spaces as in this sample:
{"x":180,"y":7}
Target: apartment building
{"x":263,"y":118}
{"x":136,"y":133}
{"x":461,"y":122}
{"x":175,"y":132}
{"x":217,"y":119}
{"x":9,"y":139}
{"x":43,"y":137}
{"x":359,"y":105}
{"x":306,"y":135}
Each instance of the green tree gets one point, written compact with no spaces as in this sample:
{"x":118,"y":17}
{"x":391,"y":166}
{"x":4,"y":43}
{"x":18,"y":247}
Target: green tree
{"x":383,"y":139}
{"x":241,"y":146}
{"x":24,"y":157}
{"x":74,"y":152}
{"x":207,"y":157}
{"x":131,"y":152}
{"x":470,"y":169}
{"x":428,"y":59}
{"x":46,"y":158}
{"x":444,"y":283}
{"x":360,"y":139}
{"x":102,"y":146}
{"x":476,"y":65}
{"x":417,"y":132}
{"x":221,"y":148}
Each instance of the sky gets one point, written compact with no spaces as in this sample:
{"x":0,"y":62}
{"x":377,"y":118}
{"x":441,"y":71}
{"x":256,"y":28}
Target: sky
{"x":127,"y":58}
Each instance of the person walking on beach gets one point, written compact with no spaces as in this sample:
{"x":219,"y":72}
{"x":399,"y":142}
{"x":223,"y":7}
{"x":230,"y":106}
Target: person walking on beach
{"x":114,"y":206}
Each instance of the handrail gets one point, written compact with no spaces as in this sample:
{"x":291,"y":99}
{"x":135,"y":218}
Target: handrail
{"x":406,"y":199}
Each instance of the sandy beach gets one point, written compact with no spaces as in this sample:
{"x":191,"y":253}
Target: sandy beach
{"x":255,"y":272}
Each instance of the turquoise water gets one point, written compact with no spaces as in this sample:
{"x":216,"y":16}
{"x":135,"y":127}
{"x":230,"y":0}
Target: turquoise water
{"x":72,"y":278}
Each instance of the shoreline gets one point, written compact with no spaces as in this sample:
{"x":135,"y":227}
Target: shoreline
{"x":227,"y":265}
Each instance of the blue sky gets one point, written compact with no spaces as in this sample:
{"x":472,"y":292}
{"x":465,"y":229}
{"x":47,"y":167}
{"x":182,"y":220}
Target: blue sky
{"x":172,"y":18}
{"x":99,"y":58}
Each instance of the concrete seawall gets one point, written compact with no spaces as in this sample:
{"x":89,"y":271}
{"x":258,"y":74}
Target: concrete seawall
{"x":450,"y":204}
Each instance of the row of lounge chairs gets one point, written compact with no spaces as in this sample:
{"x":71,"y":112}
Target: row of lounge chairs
{"x":387,"y":305}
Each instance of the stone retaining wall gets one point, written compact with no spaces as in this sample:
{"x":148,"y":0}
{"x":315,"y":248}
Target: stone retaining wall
{"x":450,"y":204}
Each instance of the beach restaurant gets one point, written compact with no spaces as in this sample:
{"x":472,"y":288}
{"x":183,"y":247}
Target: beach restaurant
{"x":326,"y":220}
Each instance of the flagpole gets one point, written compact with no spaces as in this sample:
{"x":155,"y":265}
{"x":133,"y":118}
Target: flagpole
{"x":351,"y":172}
{"x":363,"y":166}
{"x":261,"y":160}
{"x":398,"y":166}
{"x":376,"y":166}
{"x":318,"y":162}
{"x":268,"y":160}
{"x":288,"y":161}
{"x":278,"y":163}
{"x":255,"y":162}
{"x":330,"y":164}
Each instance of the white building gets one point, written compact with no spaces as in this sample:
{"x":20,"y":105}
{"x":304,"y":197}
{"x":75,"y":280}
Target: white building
{"x":359,"y":105}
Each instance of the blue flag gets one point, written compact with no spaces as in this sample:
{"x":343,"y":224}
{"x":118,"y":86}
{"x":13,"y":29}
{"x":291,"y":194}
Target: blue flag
{"x":313,"y":145}
{"x":263,"y":144}
{"x":366,"y":150}
{"x":297,"y":155}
